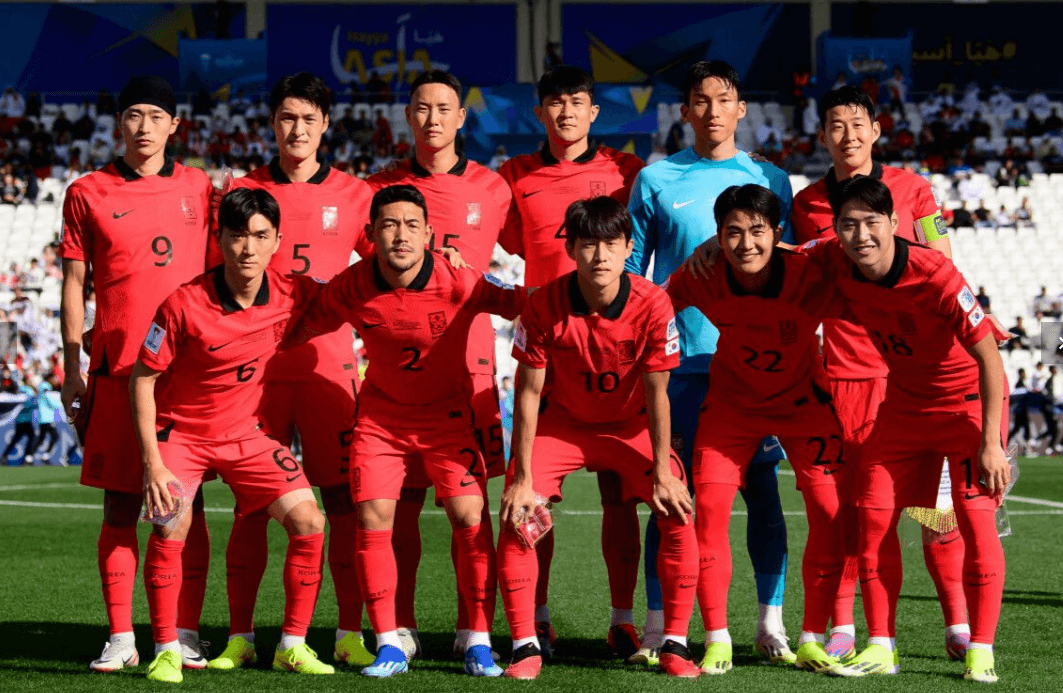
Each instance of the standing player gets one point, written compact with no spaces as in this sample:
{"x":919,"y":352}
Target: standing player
{"x":766,"y":376}
{"x":414,"y":411}
{"x":945,"y":397}
{"x":310,"y":388}
{"x":848,"y":130}
{"x":544,"y":184}
{"x":610,"y":339}
{"x":671,"y":205}
{"x":469,"y":206}
{"x":138,"y":227}
{"x":206,"y":349}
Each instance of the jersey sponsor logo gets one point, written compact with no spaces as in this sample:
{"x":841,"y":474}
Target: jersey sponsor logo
{"x":673,"y":330}
{"x":406,"y":325}
{"x":154,"y":340}
{"x":680,"y":205}
{"x":671,"y":347}
{"x":188,"y":208}
{"x":626,"y":350}
{"x":976,"y":316}
{"x":597,"y":188}
{"x":906,"y":323}
{"x":966,"y":299}
{"x":116,"y":215}
{"x":473,"y":214}
{"x":520,"y":335}
{"x":330,"y":220}
{"x":788,"y":331}
{"x":492,"y":279}
{"x":437,"y":322}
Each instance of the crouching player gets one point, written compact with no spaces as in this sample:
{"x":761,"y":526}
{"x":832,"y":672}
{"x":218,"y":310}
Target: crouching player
{"x":766,"y":378}
{"x":610,"y":339}
{"x":414,"y":314}
{"x":205,"y":350}
{"x":945,"y":397}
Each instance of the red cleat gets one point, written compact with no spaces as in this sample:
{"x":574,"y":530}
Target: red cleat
{"x":547,"y":637}
{"x":677,"y":661}
{"x":623,"y":640}
{"x":525,"y":664}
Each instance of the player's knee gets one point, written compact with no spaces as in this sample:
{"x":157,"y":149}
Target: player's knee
{"x":376,"y":515}
{"x":178,"y":532}
{"x":121,"y":509}
{"x":337,"y":500}
{"x":465,"y":511}
{"x":304,"y":519}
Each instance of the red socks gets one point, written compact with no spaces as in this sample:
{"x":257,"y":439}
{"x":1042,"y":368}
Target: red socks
{"x":518,"y":573}
{"x":544,"y":556}
{"x":842,"y":614}
{"x":714,"y":503}
{"x":118,"y":554}
{"x":677,"y":564}
{"x":944,"y":561}
{"x":983,"y":571}
{"x":162,"y":580}
{"x":622,"y":549}
{"x":302,"y":580}
{"x":477,"y":574}
{"x":821,"y":564}
{"x":881,"y":572}
{"x":406,"y":543}
{"x":245,"y":563}
{"x":195,"y":560}
{"x":378,"y":575}
{"x":342,"y":529}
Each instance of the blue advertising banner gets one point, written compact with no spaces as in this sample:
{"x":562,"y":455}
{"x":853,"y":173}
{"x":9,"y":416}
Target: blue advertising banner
{"x":860,"y":58}
{"x":657,"y":43}
{"x":223,"y":66}
{"x":350,"y":44}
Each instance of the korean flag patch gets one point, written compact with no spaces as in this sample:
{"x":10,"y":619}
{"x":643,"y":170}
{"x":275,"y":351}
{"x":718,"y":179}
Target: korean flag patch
{"x":520,"y":335}
{"x":154,"y":340}
{"x":976,"y":316}
{"x":672,"y":347}
{"x":966,"y":299}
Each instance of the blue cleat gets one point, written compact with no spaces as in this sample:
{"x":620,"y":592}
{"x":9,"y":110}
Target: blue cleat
{"x":478,"y":661}
{"x":390,"y":660}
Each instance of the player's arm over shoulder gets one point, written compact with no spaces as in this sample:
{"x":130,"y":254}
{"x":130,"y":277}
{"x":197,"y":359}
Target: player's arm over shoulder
{"x":486,"y":293}
{"x":325,"y":308}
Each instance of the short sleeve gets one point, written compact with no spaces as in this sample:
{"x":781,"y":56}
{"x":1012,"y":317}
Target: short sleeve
{"x":662,"y":336}
{"x":530,"y":338}
{"x":681,"y":289}
{"x":511,"y":238}
{"x":929,"y":223}
{"x":76,"y":243}
{"x":160,"y":344}
{"x":643,"y":233}
{"x":786,"y":195}
{"x":959,"y":307}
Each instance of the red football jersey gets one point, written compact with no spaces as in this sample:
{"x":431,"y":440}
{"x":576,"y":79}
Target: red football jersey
{"x":213,"y":351}
{"x":322,"y":221}
{"x":597,"y":361}
{"x":142,"y":237}
{"x":767,"y":359}
{"x":848,"y":351}
{"x":922,"y":317}
{"x":543,"y":188}
{"x":416,"y":337}
{"x":467,"y":207}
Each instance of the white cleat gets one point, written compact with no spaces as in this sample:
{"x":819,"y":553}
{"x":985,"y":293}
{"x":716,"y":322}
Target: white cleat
{"x":115,"y":657}
{"x":194,"y":652}
{"x":411,"y":644}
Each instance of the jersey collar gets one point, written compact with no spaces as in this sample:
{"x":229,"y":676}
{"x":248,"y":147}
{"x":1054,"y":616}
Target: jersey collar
{"x":419,"y":283}
{"x":280,"y":177}
{"x":775,"y":281}
{"x":125,"y":171}
{"x":900,"y":263}
{"x":834,"y":187}
{"x":225,"y":295}
{"x":550,"y":160}
{"x":457,"y":169}
{"x":612,"y":312}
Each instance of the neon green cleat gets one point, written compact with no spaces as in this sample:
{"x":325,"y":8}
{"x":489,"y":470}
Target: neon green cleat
{"x":238,"y":653}
{"x":351,"y":650}
{"x":813,"y":657}
{"x":717,"y":658}
{"x":302,"y":660}
{"x":875,"y":659}
{"x":166,"y":667}
{"x":980,"y":666}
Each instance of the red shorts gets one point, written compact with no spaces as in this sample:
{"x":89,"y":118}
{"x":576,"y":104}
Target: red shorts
{"x":562,"y":447}
{"x":112,"y":456}
{"x":259,"y":470}
{"x":727,"y":440}
{"x":487,"y":423}
{"x":901,"y":462}
{"x":383,"y":454}
{"x":856,"y":403}
{"x":323,"y":412}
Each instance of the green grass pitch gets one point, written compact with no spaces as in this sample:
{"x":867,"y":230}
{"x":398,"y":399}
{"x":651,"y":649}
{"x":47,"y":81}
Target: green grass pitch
{"x":52,"y":619}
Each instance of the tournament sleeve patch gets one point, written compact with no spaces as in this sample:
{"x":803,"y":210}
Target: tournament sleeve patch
{"x":497,"y":282}
{"x":966,"y":299}
{"x":672,"y":347}
{"x":673,"y":330}
{"x":933,"y":227}
{"x":976,"y":316}
{"x":520,"y":335}
{"x":154,"y":340}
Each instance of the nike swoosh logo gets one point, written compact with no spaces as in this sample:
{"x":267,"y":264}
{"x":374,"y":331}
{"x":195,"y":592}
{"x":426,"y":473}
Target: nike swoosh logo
{"x":116,"y":215}
{"x":293,"y":477}
{"x":680,"y":205}
{"x":470,"y":482}
{"x":533,"y":192}
{"x":369,"y":327}
{"x":769,"y":447}
{"x":304,"y":583}
{"x":828,"y":472}
{"x":968,"y":496}
{"x":213,"y":348}
{"x":825,"y":229}
{"x":688,"y":586}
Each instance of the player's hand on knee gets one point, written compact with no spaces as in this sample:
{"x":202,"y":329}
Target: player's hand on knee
{"x":671,"y":497}
{"x":702,"y":263}
{"x":157,"y":498}
{"x":518,"y":503}
{"x":994,"y":468}
{"x":74,"y":389}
